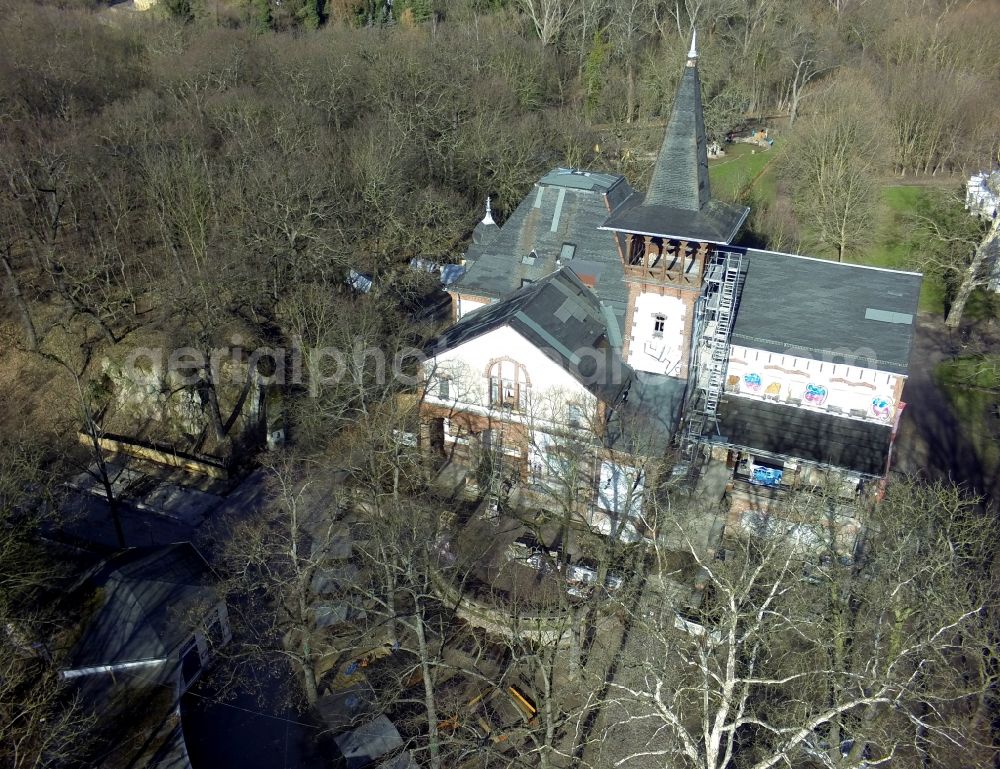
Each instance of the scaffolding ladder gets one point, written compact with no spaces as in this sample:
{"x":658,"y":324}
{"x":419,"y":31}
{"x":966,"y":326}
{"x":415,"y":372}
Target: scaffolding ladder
{"x":729,"y":269}
{"x":719,"y":344}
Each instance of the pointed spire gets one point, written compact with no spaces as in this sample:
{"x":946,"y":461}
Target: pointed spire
{"x":680,"y":176}
{"x":678,"y":203}
{"x":486,"y":231}
{"x":693,"y":53}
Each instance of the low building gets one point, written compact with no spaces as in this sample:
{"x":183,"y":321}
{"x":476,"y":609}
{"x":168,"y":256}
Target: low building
{"x":155,"y":616}
{"x":815,"y":379}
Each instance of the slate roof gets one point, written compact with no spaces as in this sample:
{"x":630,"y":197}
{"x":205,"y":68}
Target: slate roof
{"x":566,"y":206}
{"x":146,"y":598}
{"x":715,"y":223}
{"x":813,"y":436}
{"x":564,"y":319}
{"x":680,"y":176}
{"x":678,"y":203}
{"x":828,"y":311}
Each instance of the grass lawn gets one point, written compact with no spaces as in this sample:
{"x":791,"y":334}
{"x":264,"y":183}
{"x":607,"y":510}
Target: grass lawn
{"x":972,"y":384}
{"x":892,"y":245}
{"x":742,"y":164}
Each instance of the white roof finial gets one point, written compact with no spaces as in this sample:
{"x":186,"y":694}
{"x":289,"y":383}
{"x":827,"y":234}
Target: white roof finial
{"x":488,"y":219}
{"x":693,"y":53}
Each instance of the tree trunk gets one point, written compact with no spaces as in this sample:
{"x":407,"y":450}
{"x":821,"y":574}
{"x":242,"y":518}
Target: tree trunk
{"x":630,"y":93}
{"x":577,"y":628}
{"x":433,"y":739}
{"x":22,"y":306}
{"x":114,"y":505}
{"x":308,"y":672}
{"x":971,"y":276}
{"x":390,"y":599}
{"x":212,"y":399}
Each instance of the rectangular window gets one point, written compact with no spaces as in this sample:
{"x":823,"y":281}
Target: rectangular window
{"x":509,"y":391}
{"x":444,"y":388}
{"x":495,"y":390}
{"x":574,"y":415}
{"x":567,"y":251}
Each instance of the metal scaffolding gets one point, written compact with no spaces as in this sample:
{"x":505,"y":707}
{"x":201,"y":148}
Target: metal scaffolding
{"x":723,"y":282}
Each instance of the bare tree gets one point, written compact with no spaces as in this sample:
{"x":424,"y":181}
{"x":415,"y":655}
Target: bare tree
{"x":550,"y":17}
{"x":833,"y":165}
{"x":957,"y":246}
{"x":628,"y":29}
{"x":276,"y":563}
{"x":42,"y":722}
{"x":801,"y":654}
{"x":807,"y":56}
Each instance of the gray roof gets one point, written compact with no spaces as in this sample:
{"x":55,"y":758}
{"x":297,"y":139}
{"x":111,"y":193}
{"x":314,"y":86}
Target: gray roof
{"x":485,"y":233}
{"x":172,"y":754}
{"x":566,"y":206}
{"x":148,"y":598}
{"x":564,"y":319}
{"x":813,"y":436}
{"x":715,"y":223}
{"x":680,"y":176}
{"x":841,"y":313}
{"x":678,"y":203}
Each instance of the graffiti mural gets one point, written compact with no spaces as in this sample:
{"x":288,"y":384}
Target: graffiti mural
{"x":765,"y":476}
{"x":752,"y":382}
{"x":882,"y":408}
{"x":815,"y":394}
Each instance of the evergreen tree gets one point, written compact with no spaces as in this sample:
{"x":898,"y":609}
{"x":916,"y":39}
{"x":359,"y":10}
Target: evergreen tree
{"x":312,"y":14}
{"x":593,"y":72}
{"x":260,"y":15}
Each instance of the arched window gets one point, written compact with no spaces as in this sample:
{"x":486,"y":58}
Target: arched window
{"x":509,"y":385}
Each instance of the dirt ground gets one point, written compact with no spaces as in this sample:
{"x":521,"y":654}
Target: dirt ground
{"x":931,"y":442}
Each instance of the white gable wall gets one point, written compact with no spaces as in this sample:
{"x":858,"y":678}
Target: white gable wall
{"x":552,"y":388}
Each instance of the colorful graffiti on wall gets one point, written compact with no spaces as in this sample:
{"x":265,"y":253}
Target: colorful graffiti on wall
{"x":815,"y":394}
{"x":752,"y":382}
{"x":765,"y":476}
{"x":882,"y":408}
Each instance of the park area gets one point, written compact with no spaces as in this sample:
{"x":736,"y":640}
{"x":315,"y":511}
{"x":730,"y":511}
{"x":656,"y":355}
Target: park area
{"x":753,"y":175}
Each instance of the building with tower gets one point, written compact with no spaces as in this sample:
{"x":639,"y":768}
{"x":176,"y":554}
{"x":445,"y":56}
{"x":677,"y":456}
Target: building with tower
{"x":635,"y":323}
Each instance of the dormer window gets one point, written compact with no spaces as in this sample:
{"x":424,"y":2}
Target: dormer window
{"x":659,"y":324}
{"x":530,"y":258}
{"x":567,"y":251}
